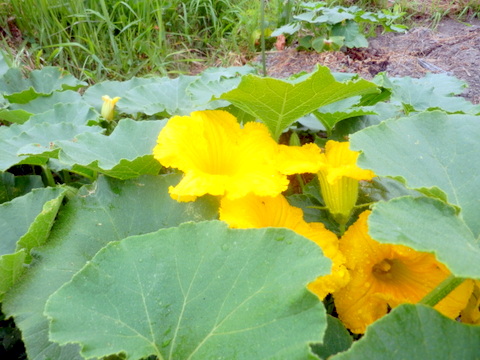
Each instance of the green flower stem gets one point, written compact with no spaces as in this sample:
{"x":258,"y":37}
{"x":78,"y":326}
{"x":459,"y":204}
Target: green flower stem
{"x":48,"y":176}
{"x":442,"y":290}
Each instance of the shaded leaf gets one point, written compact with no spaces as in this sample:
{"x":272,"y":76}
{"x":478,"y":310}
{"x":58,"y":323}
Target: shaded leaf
{"x":12,"y":186}
{"x":336,"y":339}
{"x":25,"y":223}
{"x":234,"y":294}
{"x":108,"y":210}
{"x":415,"y":332}
{"x":279,"y":103}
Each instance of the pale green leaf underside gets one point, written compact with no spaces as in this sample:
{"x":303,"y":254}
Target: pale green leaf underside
{"x":195,"y":292}
{"x":108,"y":210}
{"x":427,"y":224}
{"x":126,"y":153}
{"x":416,"y":332}
{"x":429,"y":150}
{"x":279,"y":103}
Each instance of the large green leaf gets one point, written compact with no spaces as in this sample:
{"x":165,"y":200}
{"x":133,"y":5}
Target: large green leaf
{"x":126,"y":153}
{"x":108,"y":210}
{"x":20,"y":113}
{"x":25,"y":223}
{"x":278,"y":103}
{"x":93,"y":95}
{"x":432,"y":152}
{"x":427,"y":224}
{"x":216,"y":81}
{"x":195,"y":292}
{"x":430,"y":92}
{"x":37,"y":144}
{"x":79,"y":113}
{"x":415,"y":332}
{"x":164,"y":96}
{"x":18,"y":89}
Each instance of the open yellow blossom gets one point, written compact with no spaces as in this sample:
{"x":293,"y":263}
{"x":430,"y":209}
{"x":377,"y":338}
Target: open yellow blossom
{"x":219,"y":157}
{"x":383,"y":276}
{"x":108,"y":107}
{"x":258,"y":212}
{"x":298,"y":159}
{"x":339,"y":176}
{"x":471,"y":314}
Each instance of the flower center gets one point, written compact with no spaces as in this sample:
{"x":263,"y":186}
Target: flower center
{"x":383,"y":269}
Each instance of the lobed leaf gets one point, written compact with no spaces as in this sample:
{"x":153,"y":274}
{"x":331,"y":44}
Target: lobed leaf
{"x":195,"y":292}
{"x":126,"y":153}
{"x":108,"y":210}
{"x":279,"y":103}
{"x":17,"y":89}
{"x":37,"y":144}
{"x":20,"y":113}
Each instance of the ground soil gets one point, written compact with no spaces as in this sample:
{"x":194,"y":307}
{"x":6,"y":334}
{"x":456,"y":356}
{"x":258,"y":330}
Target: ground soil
{"x":452,"y":47}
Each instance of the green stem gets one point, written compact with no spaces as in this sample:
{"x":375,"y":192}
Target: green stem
{"x":442,"y":290}
{"x":48,"y":175}
{"x":262,"y":36}
{"x":364,"y":205}
{"x":66,"y":177}
{"x":300,"y":182}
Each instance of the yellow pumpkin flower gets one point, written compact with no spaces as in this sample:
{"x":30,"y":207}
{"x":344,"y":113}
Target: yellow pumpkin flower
{"x":471,"y":314}
{"x":298,"y":159}
{"x":108,"y":107}
{"x":383,"y":276}
{"x":258,"y":212}
{"x":339,"y":176}
{"x":219,"y":157}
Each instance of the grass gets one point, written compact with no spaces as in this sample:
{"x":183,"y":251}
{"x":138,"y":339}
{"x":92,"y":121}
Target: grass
{"x":112,"y":39}
{"x":97,"y":40}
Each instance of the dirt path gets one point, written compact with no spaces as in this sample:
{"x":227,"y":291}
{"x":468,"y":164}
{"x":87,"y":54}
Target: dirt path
{"x":453,"y":48}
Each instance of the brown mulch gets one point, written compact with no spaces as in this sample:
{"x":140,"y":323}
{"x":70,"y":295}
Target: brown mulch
{"x":452,"y":48}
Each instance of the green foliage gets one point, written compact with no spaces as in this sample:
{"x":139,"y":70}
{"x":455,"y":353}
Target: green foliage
{"x":275,"y":102}
{"x":108,"y":210}
{"x":320,"y":27}
{"x":99,"y":40}
{"x":94,"y":265}
{"x":25,"y":223}
{"x":226,"y":297}
{"x":392,"y":337}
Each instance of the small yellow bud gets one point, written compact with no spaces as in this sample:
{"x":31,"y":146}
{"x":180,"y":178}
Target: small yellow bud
{"x":108,"y":107}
